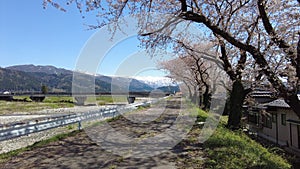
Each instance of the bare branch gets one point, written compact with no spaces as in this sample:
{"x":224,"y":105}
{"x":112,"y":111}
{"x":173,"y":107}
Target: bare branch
{"x":274,"y":36}
{"x":257,"y":55}
{"x":167,"y":24}
{"x":183,"y":5}
{"x":227,"y":65}
{"x":205,"y":55}
{"x":241,"y":64}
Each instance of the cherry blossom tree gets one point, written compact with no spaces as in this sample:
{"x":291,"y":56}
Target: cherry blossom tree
{"x":179,"y":71}
{"x":196,"y":72}
{"x":265,"y":33}
{"x":275,"y":41}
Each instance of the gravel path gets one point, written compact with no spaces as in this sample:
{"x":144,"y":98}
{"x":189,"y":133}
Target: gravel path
{"x":24,"y":141}
{"x":26,"y":117}
{"x":8,"y":119}
{"x":84,"y":151}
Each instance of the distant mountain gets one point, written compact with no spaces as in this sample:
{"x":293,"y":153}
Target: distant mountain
{"x":13,"y":80}
{"x":156,"y":82}
{"x":169,"y":89}
{"x":40,"y":69}
{"x":129,"y":84}
{"x":31,"y":77}
{"x":121,"y":84}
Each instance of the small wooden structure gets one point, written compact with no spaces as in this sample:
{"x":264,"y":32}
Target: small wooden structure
{"x":6,"y":97}
{"x":130,"y":99}
{"x":37,"y":98}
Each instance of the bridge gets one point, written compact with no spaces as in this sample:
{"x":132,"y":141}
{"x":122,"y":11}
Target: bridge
{"x":9,"y":97}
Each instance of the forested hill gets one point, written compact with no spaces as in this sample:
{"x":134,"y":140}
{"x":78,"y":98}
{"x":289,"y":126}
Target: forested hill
{"x":17,"y":80}
{"x":31,"y":78}
{"x":40,"y":69}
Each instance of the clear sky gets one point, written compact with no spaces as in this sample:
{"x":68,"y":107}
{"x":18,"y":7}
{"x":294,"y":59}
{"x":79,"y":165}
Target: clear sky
{"x":30,"y":34}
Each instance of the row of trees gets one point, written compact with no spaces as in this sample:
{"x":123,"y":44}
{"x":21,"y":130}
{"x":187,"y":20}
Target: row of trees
{"x":199,"y":75}
{"x":256,"y":40}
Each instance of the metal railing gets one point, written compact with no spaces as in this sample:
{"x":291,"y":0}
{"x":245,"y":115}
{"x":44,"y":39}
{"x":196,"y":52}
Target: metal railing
{"x":17,"y":130}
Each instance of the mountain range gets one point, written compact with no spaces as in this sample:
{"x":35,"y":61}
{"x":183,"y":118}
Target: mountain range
{"x":30,"y":78}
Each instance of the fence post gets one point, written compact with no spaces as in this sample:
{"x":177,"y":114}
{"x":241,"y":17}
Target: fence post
{"x":79,"y":125}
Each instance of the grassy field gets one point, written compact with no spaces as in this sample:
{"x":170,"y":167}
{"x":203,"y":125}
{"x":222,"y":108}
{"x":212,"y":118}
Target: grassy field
{"x":101,"y":100}
{"x":228,"y":149}
{"x":51,"y":102}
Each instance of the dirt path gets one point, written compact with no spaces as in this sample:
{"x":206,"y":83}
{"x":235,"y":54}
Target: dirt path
{"x":80,"y":151}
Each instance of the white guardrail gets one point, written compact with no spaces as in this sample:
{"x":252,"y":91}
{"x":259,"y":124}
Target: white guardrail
{"x":18,"y":130}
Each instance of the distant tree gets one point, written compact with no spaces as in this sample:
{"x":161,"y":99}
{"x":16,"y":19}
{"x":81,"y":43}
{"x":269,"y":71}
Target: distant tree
{"x":199,"y":70}
{"x":179,"y":71}
{"x":201,"y":76}
{"x":44,"y":89}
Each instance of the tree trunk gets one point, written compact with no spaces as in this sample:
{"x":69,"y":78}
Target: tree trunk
{"x":199,"y":101}
{"x":294,"y":103}
{"x":189,"y":89}
{"x":206,"y":98}
{"x":195,"y":98}
{"x":226,"y":108}
{"x":237,"y":97}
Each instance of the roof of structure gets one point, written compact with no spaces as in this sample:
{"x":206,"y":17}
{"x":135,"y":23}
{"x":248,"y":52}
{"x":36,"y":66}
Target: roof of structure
{"x":277,"y":103}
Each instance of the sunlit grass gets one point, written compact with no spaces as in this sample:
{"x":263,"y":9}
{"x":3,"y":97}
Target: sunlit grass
{"x":12,"y":107}
{"x":234,"y":149}
{"x":111,"y":99}
{"x":228,"y":149}
{"x":105,"y":99}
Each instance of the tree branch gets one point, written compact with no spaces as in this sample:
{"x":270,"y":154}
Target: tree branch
{"x":167,"y":24}
{"x":227,"y":65}
{"x":271,"y":32}
{"x":183,"y":5}
{"x":298,"y":61}
{"x":205,"y":55}
{"x":241,"y":64}
{"x":257,"y":55}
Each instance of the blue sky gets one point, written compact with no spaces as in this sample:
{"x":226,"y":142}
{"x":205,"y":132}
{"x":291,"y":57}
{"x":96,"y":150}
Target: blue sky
{"x":30,"y":34}
{"x":33,"y":35}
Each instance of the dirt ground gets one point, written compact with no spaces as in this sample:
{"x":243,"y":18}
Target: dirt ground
{"x":83,"y":151}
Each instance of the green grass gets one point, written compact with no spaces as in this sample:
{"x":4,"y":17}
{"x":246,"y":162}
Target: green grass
{"x":228,"y":149}
{"x":11,"y":107}
{"x":234,"y":149}
{"x":202,"y":115}
{"x":101,"y":100}
{"x":22,"y":98}
{"x":58,"y":99}
{"x":51,"y":102}
{"x":6,"y":156}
